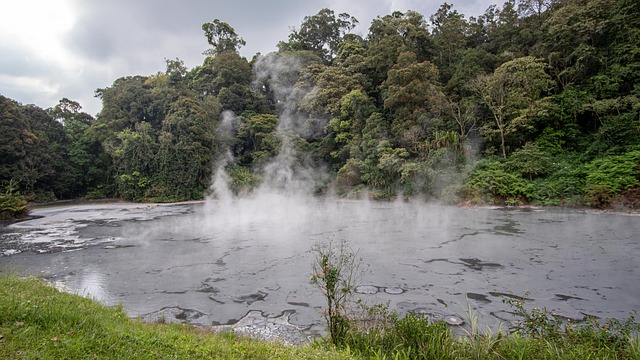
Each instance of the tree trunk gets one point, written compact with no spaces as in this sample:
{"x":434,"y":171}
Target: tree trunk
{"x":504,"y":151}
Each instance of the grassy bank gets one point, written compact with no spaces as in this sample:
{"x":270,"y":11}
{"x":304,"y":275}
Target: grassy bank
{"x":39,"y":322}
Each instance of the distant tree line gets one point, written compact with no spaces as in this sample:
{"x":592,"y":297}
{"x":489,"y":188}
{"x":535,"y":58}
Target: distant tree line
{"x":537,"y":101}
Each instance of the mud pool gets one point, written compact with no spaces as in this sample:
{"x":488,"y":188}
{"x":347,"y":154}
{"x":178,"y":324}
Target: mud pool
{"x":216,"y":263}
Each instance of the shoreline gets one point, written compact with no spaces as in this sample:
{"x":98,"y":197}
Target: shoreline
{"x":83,"y":201}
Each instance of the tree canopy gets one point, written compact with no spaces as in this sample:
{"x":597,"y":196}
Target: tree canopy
{"x":534,"y":101}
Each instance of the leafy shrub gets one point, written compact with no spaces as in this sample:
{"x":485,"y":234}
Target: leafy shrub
{"x":336,"y":270}
{"x":243,"y":180}
{"x":410,"y":337}
{"x":609,"y":176}
{"x":384,"y":194}
{"x":12,"y":204}
{"x":539,"y":323}
{"x":496,"y":185}
{"x":565,"y":183}
{"x":41,"y":196}
{"x":454,"y":194}
{"x":530,"y":161}
{"x":628,"y":199}
{"x":536,"y":323}
{"x":599,"y":195}
{"x":132,"y":186}
{"x":99,"y":192}
{"x":551,"y":141}
{"x":348,"y":177}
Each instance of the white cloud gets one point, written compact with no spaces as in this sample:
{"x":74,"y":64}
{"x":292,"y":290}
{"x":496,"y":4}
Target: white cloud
{"x":43,"y":88}
{"x":38,"y":27}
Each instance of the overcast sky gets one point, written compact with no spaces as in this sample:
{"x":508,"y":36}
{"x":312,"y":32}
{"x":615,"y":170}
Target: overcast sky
{"x":50,"y":49}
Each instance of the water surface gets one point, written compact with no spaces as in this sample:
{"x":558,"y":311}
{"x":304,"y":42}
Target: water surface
{"x":217,"y":261}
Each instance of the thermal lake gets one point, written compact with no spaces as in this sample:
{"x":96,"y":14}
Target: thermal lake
{"x":213,"y":263}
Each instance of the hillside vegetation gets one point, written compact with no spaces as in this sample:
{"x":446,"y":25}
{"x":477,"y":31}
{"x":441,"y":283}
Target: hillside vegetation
{"x":533,"y":102}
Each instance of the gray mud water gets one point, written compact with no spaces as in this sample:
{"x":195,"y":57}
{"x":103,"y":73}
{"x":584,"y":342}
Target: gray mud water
{"x":249,"y":262}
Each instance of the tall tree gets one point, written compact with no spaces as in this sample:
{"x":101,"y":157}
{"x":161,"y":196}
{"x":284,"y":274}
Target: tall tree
{"x":393,"y":34}
{"x":258,"y":140}
{"x":45,"y":164}
{"x":15,"y":137}
{"x":222,"y":37}
{"x":449,"y":30}
{"x":186,"y":149}
{"x":321,"y":33}
{"x":133,"y":152}
{"x":510,"y":90}
{"x":573,"y":33}
{"x":412,"y":95}
{"x":86,"y":164}
{"x":218,"y":72}
{"x":127,"y":102}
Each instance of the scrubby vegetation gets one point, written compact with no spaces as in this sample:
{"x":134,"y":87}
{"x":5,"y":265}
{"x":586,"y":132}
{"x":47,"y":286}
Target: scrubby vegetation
{"x":12,"y":204}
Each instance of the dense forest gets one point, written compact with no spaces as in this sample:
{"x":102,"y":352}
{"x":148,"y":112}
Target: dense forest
{"x":533,"y":102}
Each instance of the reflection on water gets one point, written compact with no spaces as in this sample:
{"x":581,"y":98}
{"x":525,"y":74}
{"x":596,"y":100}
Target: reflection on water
{"x":217,"y":262}
{"x":87,"y":283}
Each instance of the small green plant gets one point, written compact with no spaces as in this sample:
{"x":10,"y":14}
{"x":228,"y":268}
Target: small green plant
{"x":619,"y":337}
{"x":536,"y":323}
{"x":419,"y":338}
{"x":12,"y":203}
{"x":370,"y":319}
{"x":612,"y":333}
{"x":474,"y":330}
{"x":336,"y":270}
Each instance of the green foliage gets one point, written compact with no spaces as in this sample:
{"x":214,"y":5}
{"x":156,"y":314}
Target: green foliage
{"x":410,"y":337}
{"x":565,"y":183}
{"x":568,"y":335}
{"x":510,"y":94}
{"x":186,"y":150}
{"x":222,"y":37}
{"x":132,"y":155}
{"x":530,"y":161}
{"x":243,"y":180}
{"x":551,"y":86}
{"x":536,"y":323}
{"x":411,"y":93}
{"x":258,"y":139}
{"x":223,"y":71}
{"x":609,"y":176}
{"x":83,"y":161}
{"x":392,"y":34}
{"x":12,"y":204}
{"x":490,"y":179}
{"x":39,"y":321}
{"x":336,"y":269}
{"x":132,"y":186}
{"x":322,"y":34}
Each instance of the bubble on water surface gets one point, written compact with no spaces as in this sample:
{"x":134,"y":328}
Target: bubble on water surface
{"x":367,"y":289}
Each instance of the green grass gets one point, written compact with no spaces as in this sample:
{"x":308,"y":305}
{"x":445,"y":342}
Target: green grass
{"x":39,"y":322}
